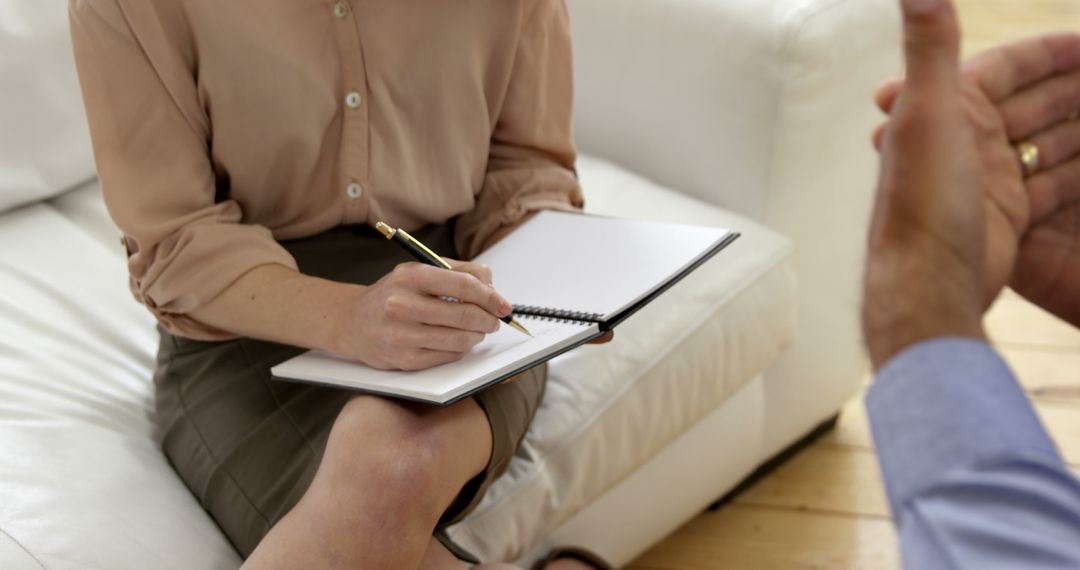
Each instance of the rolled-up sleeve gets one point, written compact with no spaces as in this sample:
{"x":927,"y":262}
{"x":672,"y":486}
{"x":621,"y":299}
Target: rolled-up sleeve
{"x":531,"y":158}
{"x":186,"y":243}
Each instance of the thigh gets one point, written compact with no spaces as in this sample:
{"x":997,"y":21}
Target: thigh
{"x":249,"y":447}
{"x":246,"y":446}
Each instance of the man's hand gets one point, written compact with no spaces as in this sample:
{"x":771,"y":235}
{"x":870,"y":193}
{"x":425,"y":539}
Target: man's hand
{"x":1029,"y":91}
{"x":927,"y":272}
{"x":1035,"y":85}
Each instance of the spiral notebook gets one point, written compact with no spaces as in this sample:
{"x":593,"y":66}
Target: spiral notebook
{"x":570,"y":276}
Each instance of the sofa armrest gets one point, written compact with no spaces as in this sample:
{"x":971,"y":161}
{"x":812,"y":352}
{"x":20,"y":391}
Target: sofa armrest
{"x":15,"y":555}
{"x":765,"y":108}
{"x":703,"y":96}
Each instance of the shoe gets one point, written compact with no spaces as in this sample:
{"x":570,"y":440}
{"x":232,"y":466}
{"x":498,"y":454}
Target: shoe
{"x":573,"y":553}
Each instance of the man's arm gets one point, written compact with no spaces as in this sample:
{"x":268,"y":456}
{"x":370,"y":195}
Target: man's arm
{"x":971,"y":475}
{"x":972,"y":478}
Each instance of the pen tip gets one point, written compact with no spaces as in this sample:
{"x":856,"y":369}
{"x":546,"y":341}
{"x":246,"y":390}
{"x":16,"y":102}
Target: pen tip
{"x":514,"y":323}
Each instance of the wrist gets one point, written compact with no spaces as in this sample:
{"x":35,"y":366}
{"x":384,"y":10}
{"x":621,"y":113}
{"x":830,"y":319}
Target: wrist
{"x":885,"y":338}
{"x":909,"y":299}
{"x":338,"y":320}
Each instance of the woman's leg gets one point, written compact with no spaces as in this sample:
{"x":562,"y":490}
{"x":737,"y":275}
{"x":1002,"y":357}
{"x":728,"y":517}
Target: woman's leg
{"x":389,"y":471}
{"x":438,"y":557}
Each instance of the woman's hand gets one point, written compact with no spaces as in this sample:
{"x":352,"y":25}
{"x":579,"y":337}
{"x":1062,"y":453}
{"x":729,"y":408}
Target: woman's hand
{"x":405,"y":322}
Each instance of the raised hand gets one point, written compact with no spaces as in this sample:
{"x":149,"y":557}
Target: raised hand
{"x":1029,"y":92}
{"x":928,"y":273}
{"x":1035,"y":85}
{"x":1007,"y":207}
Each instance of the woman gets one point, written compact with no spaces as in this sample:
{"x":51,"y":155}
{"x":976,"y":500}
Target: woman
{"x":245,"y":148}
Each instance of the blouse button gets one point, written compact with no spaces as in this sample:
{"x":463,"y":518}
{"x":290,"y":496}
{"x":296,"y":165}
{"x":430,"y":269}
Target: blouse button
{"x":353,"y":100}
{"x":341,"y":9}
{"x":354,"y":190}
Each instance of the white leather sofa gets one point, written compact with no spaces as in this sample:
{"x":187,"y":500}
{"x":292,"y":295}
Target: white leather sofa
{"x":748,"y":114}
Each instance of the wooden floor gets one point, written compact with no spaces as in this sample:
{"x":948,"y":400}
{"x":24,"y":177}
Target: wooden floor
{"x":825,"y":507}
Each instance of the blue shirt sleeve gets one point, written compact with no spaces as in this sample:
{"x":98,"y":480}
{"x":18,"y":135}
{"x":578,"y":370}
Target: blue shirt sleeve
{"x":971,"y":475}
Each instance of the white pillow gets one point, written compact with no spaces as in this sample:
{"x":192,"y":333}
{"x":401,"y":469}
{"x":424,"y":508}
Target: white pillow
{"x":44,"y":141}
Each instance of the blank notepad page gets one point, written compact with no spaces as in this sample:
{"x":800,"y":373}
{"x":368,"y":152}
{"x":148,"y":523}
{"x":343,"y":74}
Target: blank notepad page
{"x":559,"y":260}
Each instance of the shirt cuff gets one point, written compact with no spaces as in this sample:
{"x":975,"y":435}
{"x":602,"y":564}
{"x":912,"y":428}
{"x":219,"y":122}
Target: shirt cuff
{"x":197,"y":264}
{"x":947,"y":404}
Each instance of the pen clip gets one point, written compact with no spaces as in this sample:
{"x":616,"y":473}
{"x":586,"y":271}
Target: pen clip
{"x":405,"y":235}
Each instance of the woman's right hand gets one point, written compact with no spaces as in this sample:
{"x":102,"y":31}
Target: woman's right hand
{"x":404,"y":322}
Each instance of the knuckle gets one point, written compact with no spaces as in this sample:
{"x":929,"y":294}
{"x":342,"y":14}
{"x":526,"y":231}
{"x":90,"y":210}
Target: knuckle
{"x":468,"y":280}
{"x":402,"y":273}
{"x":396,"y":307}
{"x":493,"y":300}
{"x":1059,"y":103}
{"x":472,"y":339}
{"x":463,"y":316}
{"x":462,"y":285}
{"x":412,"y":270}
{"x":480,"y":271}
{"x":409,"y":360}
{"x":461,"y":342}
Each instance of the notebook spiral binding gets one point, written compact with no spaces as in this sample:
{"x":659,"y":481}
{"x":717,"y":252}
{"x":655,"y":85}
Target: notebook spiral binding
{"x":556,"y":315}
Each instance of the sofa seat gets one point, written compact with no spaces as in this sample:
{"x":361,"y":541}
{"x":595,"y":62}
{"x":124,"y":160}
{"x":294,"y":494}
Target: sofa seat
{"x":85,"y":482}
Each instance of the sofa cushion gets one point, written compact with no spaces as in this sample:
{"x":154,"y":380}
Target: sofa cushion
{"x":609,"y":409}
{"x":86,"y":485}
{"x":44,"y":143}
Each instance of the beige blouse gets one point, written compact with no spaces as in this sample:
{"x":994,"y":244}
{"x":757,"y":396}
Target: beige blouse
{"x":221,"y":127}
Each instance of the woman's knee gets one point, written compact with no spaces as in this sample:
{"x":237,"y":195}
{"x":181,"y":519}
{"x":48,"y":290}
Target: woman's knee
{"x":402,"y":452}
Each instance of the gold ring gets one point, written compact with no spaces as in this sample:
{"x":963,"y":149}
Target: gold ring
{"x":1029,"y":157}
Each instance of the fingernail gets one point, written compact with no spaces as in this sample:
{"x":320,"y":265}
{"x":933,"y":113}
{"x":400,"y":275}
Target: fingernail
{"x":505,"y":309}
{"x":921,"y":6}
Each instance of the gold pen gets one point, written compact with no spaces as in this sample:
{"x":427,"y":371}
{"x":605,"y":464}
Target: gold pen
{"x":425,"y":255}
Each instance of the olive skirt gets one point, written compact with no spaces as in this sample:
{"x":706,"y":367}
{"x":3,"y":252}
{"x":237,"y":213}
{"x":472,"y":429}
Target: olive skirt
{"x":248,"y":447}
